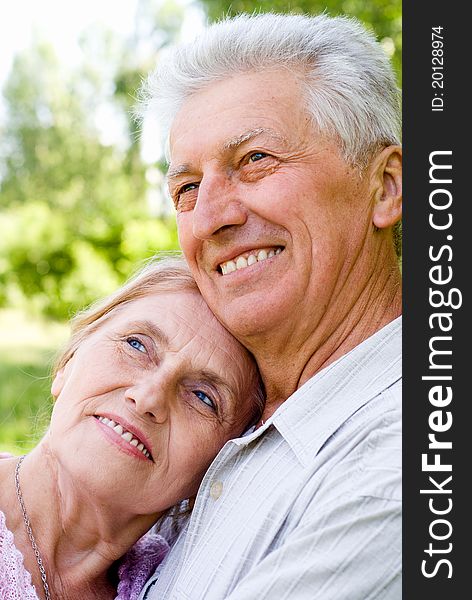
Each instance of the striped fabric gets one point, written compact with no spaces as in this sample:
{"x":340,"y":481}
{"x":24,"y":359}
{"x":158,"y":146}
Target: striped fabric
{"x":309,"y":505}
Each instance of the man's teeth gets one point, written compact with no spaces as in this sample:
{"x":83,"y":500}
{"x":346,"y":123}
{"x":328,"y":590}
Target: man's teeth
{"x":126,"y":435}
{"x":241,"y":262}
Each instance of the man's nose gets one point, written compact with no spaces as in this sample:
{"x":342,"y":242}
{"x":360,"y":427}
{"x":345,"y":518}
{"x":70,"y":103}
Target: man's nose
{"x":218,"y":207}
{"x":150,"y":399}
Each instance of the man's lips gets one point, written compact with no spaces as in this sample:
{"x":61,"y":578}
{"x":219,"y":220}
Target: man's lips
{"x":127,"y":432}
{"x":248,"y":258}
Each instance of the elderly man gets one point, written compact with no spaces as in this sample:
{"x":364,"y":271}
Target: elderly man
{"x":285,"y":171}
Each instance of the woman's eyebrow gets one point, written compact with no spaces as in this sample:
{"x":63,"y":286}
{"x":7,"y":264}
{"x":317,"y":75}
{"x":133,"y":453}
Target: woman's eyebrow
{"x":152,"y":329}
{"x":219,"y":382}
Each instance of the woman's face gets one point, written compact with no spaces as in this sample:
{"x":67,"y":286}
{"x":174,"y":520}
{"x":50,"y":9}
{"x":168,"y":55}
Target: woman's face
{"x":148,"y":400}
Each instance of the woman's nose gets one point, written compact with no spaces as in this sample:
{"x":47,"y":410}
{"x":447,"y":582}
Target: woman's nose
{"x":149,"y":399}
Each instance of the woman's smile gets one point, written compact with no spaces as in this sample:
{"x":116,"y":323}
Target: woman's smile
{"x":131,"y":443}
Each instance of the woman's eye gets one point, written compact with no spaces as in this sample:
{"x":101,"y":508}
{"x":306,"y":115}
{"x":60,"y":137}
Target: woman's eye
{"x":255,"y":156}
{"x":136,"y":344}
{"x":204,"y":398}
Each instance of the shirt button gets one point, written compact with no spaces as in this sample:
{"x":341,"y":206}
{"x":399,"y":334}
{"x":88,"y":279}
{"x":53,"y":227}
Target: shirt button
{"x":216,"y":489}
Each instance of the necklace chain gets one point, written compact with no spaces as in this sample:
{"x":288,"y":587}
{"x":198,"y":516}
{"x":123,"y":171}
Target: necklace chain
{"x":29,"y":531}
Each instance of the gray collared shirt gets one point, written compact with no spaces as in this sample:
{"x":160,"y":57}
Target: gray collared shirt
{"x":309,"y":505}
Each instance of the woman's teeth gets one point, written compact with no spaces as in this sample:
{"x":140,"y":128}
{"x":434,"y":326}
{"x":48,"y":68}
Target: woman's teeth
{"x":246,"y":260}
{"x":126,"y":435}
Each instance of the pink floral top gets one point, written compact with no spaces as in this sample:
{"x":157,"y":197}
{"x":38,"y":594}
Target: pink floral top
{"x":135,"y":568}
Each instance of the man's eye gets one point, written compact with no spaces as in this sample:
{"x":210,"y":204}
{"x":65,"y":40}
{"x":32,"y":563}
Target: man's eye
{"x":188,"y":187}
{"x":205,"y":398}
{"x":136,"y":344}
{"x":255,"y":156}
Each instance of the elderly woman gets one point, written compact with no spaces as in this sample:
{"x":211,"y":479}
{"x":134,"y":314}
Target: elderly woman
{"x":148,"y":390}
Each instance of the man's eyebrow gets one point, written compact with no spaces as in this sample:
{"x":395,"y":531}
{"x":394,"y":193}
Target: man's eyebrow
{"x":236,"y":141}
{"x":230,"y":144}
{"x":152,"y":329}
{"x":174,"y":172}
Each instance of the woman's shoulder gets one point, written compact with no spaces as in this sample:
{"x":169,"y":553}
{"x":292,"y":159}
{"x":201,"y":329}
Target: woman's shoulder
{"x":139,"y":563}
{"x":15,"y":580}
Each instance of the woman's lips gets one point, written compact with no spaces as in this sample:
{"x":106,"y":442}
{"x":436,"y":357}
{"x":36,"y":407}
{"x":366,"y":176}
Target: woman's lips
{"x":127,"y":439}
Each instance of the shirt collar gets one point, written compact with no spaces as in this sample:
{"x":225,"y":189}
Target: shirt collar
{"x":314,"y":412}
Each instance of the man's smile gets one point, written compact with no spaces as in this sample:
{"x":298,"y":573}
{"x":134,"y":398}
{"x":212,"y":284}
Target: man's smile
{"x":246,"y":259}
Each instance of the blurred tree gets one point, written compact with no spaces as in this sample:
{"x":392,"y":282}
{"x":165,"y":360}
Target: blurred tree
{"x":157,"y":23}
{"x":383,"y":16}
{"x":71,"y":201}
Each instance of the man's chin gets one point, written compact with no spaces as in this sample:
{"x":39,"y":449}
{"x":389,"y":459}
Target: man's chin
{"x":249,"y":316}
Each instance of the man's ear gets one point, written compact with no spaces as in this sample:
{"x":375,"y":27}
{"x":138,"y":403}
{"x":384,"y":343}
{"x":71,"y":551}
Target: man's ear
{"x":387,"y":174}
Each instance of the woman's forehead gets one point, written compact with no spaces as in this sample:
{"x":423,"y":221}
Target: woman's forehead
{"x":179,"y":319}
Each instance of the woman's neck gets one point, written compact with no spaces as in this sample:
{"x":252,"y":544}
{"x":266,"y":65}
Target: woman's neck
{"x":78,"y":538}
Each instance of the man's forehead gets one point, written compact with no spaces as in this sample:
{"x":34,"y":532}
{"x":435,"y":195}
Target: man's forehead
{"x":232,"y":142}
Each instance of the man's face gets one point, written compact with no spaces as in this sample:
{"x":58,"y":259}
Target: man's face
{"x":270,"y":216}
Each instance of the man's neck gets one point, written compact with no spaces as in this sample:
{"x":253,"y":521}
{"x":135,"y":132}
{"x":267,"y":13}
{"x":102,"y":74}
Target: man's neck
{"x":287,"y":360}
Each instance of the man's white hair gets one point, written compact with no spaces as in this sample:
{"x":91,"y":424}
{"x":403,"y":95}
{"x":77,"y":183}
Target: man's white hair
{"x":350,"y":86}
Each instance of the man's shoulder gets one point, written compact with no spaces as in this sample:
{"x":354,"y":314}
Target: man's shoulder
{"x":346,"y":404}
{"x":370,"y":465}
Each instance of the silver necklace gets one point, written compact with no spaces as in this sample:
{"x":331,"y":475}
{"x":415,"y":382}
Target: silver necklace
{"x":29,"y":531}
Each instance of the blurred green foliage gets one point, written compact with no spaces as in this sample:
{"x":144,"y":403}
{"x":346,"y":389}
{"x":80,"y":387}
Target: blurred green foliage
{"x":24,"y":411}
{"x":27,"y":348}
{"x":74,"y":212}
